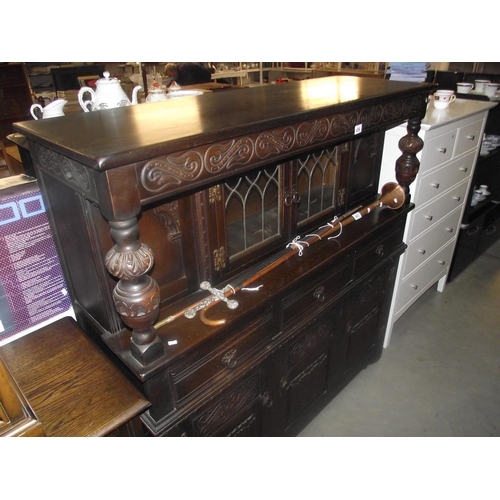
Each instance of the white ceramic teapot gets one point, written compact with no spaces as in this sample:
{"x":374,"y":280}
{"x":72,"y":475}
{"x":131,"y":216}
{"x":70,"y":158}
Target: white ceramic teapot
{"x":54,"y":108}
{"x":108,"y":94}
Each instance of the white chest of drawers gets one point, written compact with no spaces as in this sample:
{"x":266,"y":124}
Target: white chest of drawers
{"x":452,"y":138}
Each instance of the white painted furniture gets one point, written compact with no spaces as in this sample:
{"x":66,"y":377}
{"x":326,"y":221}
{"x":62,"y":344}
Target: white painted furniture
{"x":452,"y":138}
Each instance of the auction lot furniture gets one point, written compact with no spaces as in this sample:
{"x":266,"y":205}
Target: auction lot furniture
{"x":174,"y":207}
{"x":452,"y":138}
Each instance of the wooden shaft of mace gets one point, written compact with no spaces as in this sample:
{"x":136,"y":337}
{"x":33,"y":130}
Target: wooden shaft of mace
{"x":392,"y":196}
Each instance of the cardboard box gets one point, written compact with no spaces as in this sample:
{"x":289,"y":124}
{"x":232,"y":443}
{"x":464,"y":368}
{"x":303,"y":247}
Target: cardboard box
{"x":33,"y":292}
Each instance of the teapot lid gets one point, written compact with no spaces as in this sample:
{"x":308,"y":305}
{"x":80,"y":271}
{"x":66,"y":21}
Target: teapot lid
{"x":107,"y":78}
{"x":158,"y":89}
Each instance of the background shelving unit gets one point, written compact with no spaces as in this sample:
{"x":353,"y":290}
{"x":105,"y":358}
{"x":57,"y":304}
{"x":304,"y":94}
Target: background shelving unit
{"x":15,"y":96}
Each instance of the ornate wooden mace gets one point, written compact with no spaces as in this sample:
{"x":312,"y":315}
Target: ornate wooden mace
{"x":392,"y":196}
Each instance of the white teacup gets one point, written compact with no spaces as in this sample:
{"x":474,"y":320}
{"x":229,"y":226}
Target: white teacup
{"x":464,"y":87}
{"x":480,"y":84}
{"x":443,"y":98}
{"x":491,"y":88}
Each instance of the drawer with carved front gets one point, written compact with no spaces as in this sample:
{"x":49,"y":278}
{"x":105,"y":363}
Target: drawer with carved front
{"x":373,"y":253}
{"x":311,"y":298}
{"x":215,"y":360}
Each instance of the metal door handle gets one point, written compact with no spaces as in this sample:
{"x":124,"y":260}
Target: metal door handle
{"x":421,"y":250}
{"x":435,"y":185}
{"x":442,"y":262}
{"x":463,"y":169}
{"x":449,"y":229}
{"x":429,"y":217}
{"x":457,"y":198}
{"x":442,"y":150}
{"x":414,"y":287}
{"x":471,"y":137}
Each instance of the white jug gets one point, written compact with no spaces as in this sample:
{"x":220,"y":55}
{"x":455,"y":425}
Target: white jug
{"x":53,"y":109}
{"x":108,"y":94}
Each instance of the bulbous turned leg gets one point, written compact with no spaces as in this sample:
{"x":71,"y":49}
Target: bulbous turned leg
{"x":136,"y":295}
{"x":407,"y":165}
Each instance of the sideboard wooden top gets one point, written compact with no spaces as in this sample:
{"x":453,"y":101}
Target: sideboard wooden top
{"x":72,"y":386}
{"x":120,"y":136}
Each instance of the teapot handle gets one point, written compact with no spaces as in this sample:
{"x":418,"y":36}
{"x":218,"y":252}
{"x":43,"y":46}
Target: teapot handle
{"x":85,"y":104}
{"x":32,"y":111}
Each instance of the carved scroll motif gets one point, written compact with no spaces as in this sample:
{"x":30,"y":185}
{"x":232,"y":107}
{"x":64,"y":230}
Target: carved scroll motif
{"x":172,"y":169}
{"x":312,"y":132}
{"x":227,"y":408}
{"x":69,"y":171}
{"x":196,"y":164}
{"x":225,"y":156}
{"x":308,"y":344}
{"x":275,"y":142}
{"x":343,"y":124}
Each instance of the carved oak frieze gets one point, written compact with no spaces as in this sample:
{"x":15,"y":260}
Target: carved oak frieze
{"x":177,"y":172}
{"x":172,"y":169}
{"x":274,"y":142}
{"x":70,"y":172}
{"x":231,"y":154}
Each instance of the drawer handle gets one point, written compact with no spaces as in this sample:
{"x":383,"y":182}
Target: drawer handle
{"x":229,"y":359}
{"x":435,"y":185}
{"x":457,"y":198}
{"x":472,"y":230}
{"x":449,"y":229}
{"x":415,"y":287}
{"x":442,"y":150}
{"x":429,"y":217}
{"x":421,"y":250}
{"x":284,"y":384}
{"x":319,"y":294}
{"x":463,"y":169}
{"x":490,"y":230}
{"x":442,"y":262}
{"x":267,"y":400}
{"x":471,"y":137}
{"x":379,"y":251}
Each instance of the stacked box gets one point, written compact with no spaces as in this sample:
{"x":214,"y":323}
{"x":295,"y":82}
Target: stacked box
{"x":33,"y":291}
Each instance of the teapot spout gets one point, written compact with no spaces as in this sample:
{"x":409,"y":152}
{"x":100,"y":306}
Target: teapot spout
{"x":134,"y":94}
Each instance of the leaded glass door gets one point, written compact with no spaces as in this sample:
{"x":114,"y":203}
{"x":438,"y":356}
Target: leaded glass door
{"x":318,"y":194}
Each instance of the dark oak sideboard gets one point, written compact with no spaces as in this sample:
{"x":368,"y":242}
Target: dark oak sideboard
{"x":157,"y":207}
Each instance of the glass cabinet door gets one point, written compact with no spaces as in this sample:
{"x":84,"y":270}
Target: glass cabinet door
{"x":317,"y":194}
{"x":364,"y":159}
{"x":249,"y":219}
{"x":253,"y":215}
{"x":252,"y":209}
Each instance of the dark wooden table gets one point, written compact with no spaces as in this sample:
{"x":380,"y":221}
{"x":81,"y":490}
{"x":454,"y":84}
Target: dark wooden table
{"x":71,"y":385}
